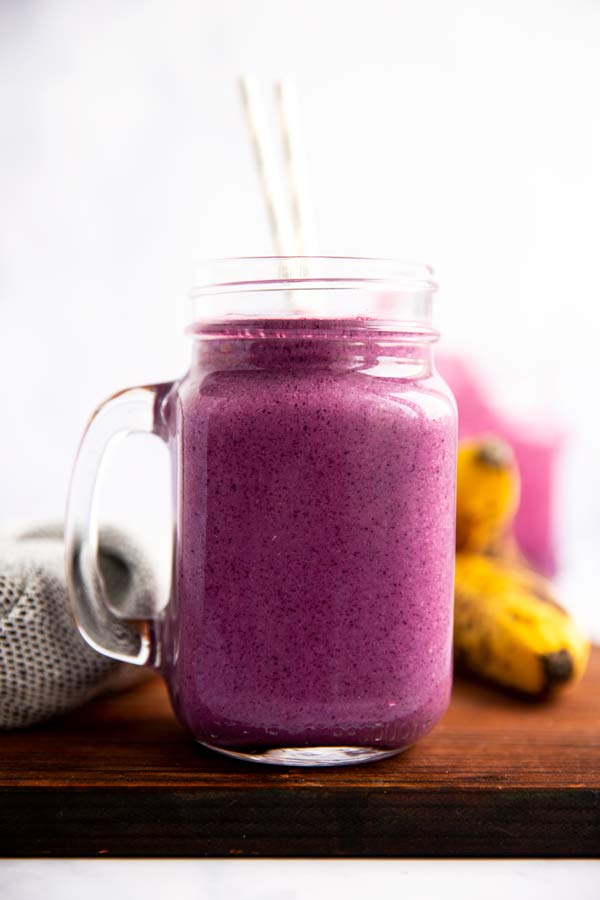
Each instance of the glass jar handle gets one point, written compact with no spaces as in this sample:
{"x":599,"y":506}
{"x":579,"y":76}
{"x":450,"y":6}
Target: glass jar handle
{"x":131,"y":411}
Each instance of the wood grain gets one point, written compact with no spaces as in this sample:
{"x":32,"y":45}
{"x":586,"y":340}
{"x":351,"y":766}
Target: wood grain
{"x":498,"y":777}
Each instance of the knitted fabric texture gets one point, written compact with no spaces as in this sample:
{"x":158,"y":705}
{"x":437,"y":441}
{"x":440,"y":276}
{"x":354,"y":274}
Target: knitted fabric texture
{"x":46,"y":668}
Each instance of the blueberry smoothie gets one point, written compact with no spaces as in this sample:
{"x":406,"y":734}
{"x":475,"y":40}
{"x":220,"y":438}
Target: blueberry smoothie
{"x":313,"y":594}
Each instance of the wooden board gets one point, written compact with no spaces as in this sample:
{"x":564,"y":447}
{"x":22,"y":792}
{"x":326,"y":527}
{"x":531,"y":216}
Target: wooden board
{"x":498,"y":777}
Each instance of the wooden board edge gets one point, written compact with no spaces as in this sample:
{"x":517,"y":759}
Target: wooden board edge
{"x":487,"y":823}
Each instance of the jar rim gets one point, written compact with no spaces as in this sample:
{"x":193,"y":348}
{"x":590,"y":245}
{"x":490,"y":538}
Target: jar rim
{"x":280,"y":273}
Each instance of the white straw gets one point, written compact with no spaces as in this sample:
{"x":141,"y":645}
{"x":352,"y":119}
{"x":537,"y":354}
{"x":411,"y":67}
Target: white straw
{"x":265,"y":161}
{"x":296,"y":168}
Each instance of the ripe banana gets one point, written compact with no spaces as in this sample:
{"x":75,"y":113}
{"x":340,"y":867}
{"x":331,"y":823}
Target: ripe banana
{"x":487,"y":496}
{"x":508,"y":628}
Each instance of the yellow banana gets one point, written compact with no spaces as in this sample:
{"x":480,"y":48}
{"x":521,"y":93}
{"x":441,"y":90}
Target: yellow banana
{"x":509,"y":629}
{"x":487,"y":495}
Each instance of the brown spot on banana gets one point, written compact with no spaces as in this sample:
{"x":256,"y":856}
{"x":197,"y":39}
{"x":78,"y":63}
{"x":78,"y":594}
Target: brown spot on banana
{"x":495,"y":453}
{"x":558,"y":667}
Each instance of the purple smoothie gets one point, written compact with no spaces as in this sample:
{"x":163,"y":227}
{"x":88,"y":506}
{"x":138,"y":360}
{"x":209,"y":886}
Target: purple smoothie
{"x":316,"y":478}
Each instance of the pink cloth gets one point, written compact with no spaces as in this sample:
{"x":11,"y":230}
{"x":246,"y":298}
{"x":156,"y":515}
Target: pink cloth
{"x":536,"y":448}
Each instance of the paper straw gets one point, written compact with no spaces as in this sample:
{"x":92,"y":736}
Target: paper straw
{"x":265,"y":161}
{"x":296,"y":168}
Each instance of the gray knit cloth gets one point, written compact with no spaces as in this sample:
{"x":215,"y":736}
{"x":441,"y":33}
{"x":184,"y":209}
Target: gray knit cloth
{"x":46,"y":668}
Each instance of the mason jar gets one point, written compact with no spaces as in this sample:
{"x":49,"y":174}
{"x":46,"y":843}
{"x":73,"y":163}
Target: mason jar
{"x":314,"y":455}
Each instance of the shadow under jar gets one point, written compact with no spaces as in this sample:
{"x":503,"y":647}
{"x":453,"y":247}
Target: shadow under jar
{"x":314,"y":458}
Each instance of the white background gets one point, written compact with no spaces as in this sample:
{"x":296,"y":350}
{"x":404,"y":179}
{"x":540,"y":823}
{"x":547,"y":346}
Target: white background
{"x":463,"y":133}
{"x":255,"y":879}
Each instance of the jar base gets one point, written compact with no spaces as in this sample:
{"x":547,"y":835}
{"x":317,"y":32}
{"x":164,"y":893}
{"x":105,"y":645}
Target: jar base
{"x":309,"y":756}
